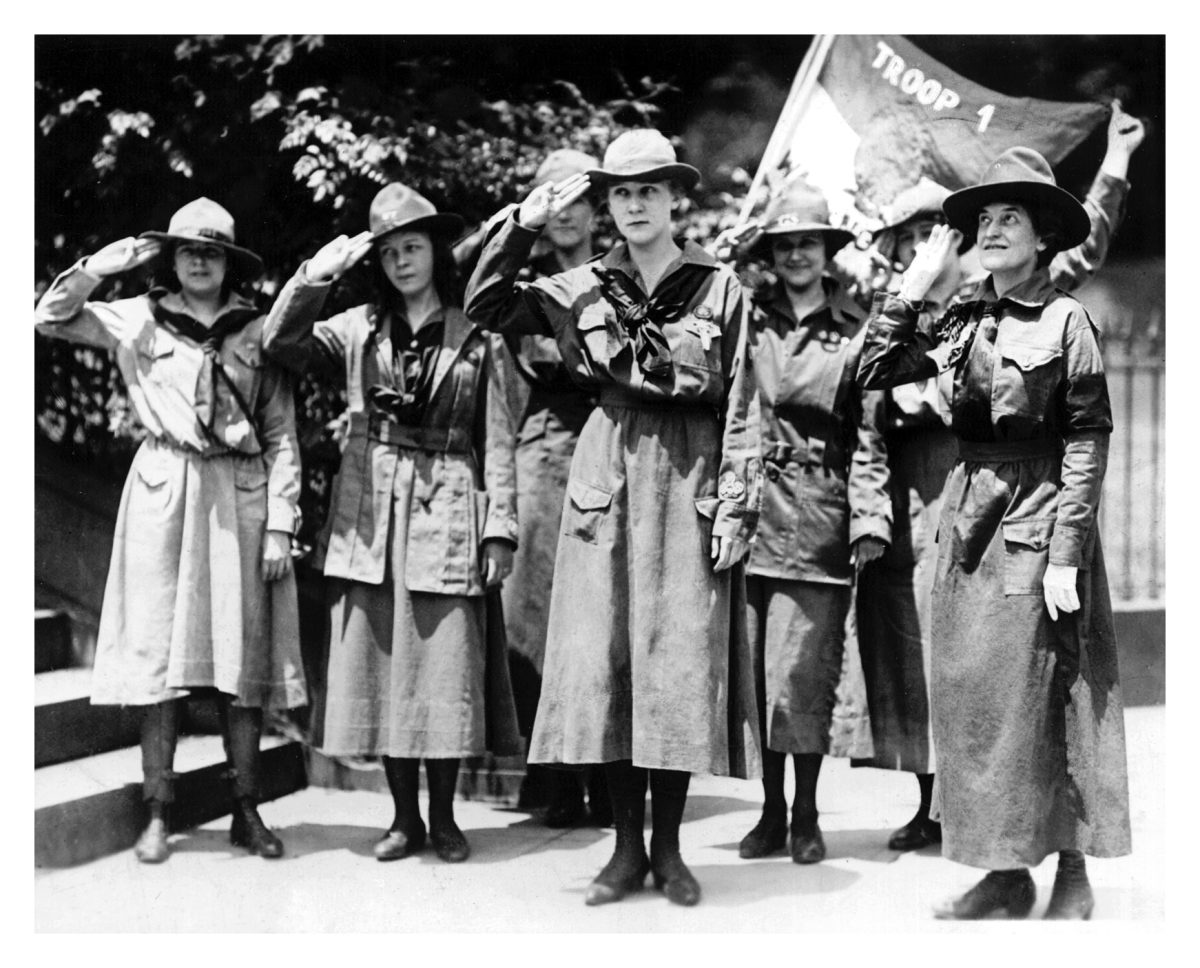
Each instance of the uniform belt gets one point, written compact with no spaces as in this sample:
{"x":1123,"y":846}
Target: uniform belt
{"x":810,"y":451}
{"x":402,"y":435}
{"x":1008,"y":451}
{"x":162,"y":443}
{"x":619,"y":397}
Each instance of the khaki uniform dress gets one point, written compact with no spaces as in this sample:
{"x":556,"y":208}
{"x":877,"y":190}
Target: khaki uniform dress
{"x":826,"y":487}
{"x":185,"y":605}
{"x":1027,"y":714}
{"x":416,"y":658}
{"x":642,"y":644}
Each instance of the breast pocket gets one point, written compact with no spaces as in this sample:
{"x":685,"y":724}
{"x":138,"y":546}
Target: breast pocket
{"x":594,"y":334}
{"x":1026,"y":553}
{"x":585,"y":511}
{"x":1025,"y":376}
{"x":695,"y":343}
{"x":245,"y":370}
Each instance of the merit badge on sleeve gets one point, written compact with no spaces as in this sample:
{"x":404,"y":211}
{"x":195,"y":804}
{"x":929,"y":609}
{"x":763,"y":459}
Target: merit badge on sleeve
{"x":731,"y":487}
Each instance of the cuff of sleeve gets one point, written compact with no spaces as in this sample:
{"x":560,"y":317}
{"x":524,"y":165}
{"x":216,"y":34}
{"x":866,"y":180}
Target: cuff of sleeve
{"x":871,"y":527}
{"x":501,"y":527}
{"x":734,"y":521}
{"x":1066,"y":546}
{"x":521,"y":234}
{"x":305,"y":280}
{"x":282,"y":515}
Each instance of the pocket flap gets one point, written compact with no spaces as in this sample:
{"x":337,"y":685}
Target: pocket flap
{"x":1033,"y":532}
{"x":251,"y":356}
{"x":706,"y":507}
{"x":593,"y":317}
{"x":1029,"y":356}
{"x":588,"y":497}
{"x":152,"y":472}
{"x":156,"y":348}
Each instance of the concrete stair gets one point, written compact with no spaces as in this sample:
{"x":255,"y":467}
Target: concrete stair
{"x":88,"y":768}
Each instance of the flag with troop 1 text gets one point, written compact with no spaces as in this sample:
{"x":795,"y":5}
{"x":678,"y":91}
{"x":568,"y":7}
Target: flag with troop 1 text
{"x":869,"y":115}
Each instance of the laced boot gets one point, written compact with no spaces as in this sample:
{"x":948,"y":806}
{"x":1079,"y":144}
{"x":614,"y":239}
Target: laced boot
{"x":160,"y":729}
{"x":920,"y":831}
{"x":241,"y":729}
{"x":248,"y":830}
{"x":626,"y":870}
{"x":1071,"y":898}
{"x":449,"y":842}
{"x":668,"y":797}
{"x":1011,"y":891}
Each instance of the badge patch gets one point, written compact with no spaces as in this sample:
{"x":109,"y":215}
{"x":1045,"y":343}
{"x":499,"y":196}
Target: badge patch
{"x":702,"y":312}
{"x":731,"y":487}
{"x":704,"y":331}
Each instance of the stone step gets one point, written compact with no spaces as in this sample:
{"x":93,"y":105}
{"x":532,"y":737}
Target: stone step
{"x":87,"y":808}
{"x":66,"y":726}
{"x":51,"y":640}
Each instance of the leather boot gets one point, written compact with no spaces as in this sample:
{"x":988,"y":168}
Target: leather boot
{"x":771,"y":832}
{"x":1010,"y":891}
{"x":160,"y":730}
{"x":808,"y":845}
{"x":241,"y":729}
{"x":1072,"y":898}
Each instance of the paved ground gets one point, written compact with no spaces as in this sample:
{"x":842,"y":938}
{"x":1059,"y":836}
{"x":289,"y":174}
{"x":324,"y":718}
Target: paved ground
{"x":524,"y":877}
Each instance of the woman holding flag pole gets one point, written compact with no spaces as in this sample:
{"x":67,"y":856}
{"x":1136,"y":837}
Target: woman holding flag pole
{"x":1025,"y":693}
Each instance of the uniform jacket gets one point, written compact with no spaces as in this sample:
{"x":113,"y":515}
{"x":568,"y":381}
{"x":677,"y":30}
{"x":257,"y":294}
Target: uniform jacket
{"x":822,"y":440}
{"x":1027,"y":368}
{"x":171,"y":383}
{"x":710,"y":364}
{"x":464,"y":490}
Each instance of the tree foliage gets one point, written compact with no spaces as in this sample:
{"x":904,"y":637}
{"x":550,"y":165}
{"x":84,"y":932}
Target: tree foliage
{"x":294,"y":135}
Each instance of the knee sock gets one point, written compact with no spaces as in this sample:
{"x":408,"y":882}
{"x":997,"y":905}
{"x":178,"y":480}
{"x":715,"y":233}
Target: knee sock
{"x":443,"y":778}
{"x":804,"y":808}
{"x":404,"y":779}
{"x":627,"y":791}
{"x":668,"y":797}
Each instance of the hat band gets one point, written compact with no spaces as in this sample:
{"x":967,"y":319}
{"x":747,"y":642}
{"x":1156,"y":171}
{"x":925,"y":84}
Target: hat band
{"x":794,"y":221}
{"x":391,"y":219}
{"x":204,"y":232}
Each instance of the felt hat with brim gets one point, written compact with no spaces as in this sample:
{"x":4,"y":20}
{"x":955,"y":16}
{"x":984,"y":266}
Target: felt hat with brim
{"x":642,"y":155}
{"x":562,"y":164}
{"x":205,"y":221}
{"x":1019,"y":175}
{"x":802,"y":208}
{"x":923,"y":198}
{"x":398,"y":208}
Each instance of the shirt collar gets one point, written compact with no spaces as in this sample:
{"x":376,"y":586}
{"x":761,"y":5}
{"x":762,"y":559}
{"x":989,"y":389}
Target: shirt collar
{"x":692,"y":254}
{"x":838,"y":301}
{"x":173,"y":302}
{"x":1034,"y":292}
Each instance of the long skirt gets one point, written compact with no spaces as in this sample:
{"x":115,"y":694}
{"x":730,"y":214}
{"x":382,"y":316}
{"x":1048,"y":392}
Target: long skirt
{"x":646,"y":656}
{"x":406,"y":669}
{"x":1027,"y":714}
{"x":895,"y":602}
{"x":797,"y":632}
{"x":185,"y":605}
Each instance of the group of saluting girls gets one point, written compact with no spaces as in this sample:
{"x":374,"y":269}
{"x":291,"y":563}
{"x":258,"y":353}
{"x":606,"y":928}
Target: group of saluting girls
{"x":700,"y":475}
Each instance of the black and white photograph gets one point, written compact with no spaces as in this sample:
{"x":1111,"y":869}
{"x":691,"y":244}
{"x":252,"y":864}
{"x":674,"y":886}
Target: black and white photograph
{"x":592,"y":482}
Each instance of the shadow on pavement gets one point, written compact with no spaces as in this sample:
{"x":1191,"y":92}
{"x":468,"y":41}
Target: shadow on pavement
{"x":868,"y":845}
{"x":774,"y":877}
{"x":299,"y":840}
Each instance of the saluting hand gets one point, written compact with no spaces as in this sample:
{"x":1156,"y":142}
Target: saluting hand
{"x":122,"y":255}
{"x":548,"y":199}
{"x":334,"y":258}
{"x":931,"y":257}
{"x":277,"y":555}
{"x":1058,"y":587}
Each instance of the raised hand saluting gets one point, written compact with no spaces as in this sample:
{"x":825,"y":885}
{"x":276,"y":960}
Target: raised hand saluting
{"x":548,"y":199}
{"x":927,"y":264}
{"x":122,"y":255}
{"x":335,"y":257}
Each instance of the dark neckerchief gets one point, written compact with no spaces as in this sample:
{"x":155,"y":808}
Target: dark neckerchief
{"x":210,"y":339}
{"x":414,"y":367}
{"x":642,"y":316}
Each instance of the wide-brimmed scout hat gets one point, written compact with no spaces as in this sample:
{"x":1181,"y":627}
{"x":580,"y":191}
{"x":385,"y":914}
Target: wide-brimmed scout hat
{"x":802,"y":208}
{"x":205,"y":221}
{"x":1019,"y":175}
{"x":925,"y":198}
{"x":644,"y":155}
{"x":563,"y":163}
{"x":398,"y":208}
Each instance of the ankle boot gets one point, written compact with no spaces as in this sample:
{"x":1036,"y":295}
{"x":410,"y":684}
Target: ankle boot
{"x":1072,"y":898}
{"x":1011,"y":891}
{"x":248,"y":830}
{"x":406,"y":835}
{"x":626,"y":870}
{"x":449,"y":842}
{"x":152,"y":846}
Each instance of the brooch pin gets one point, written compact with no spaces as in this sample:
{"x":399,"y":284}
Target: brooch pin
{"x":702,"y":330}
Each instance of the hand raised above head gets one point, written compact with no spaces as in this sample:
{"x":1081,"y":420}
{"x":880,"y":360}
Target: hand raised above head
{"x":550,"y":198}
{"x":122,"y":255}
{"x":1125,"y":132}
{"x":338,"y":255}
{"x":930,"y":259}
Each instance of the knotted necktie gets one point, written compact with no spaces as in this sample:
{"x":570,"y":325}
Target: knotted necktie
{"x":953,"y":332}
{"x":210,"y":339}
{"x":414,"y":368}
{"x":642,"y":316}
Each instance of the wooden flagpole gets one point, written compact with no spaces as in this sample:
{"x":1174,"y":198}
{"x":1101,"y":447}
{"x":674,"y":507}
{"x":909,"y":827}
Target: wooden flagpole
{"x":802,"y":88}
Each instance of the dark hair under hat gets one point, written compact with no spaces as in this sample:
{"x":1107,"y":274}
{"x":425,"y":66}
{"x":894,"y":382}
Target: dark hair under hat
{"x":1019,"y":175}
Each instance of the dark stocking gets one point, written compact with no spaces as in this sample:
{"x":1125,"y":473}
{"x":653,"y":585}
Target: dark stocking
{"x":668,"y":797}
{"x":241,"y":730}
{"x":404,"y":781}
{"x":448,"y":840}
{"x":627,"y":790}
{"x":804,"y":808}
